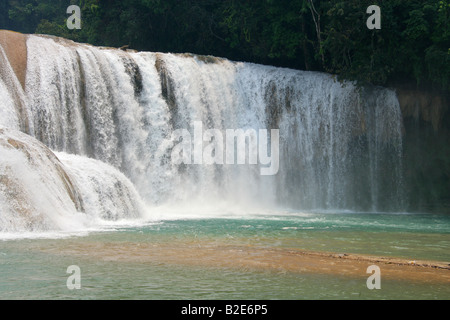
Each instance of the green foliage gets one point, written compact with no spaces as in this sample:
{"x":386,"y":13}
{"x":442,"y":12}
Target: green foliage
{"x":331,"y":36}
{"x":412,"y":43}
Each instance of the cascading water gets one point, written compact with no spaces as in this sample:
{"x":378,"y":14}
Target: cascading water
{"x":36,"y":191}
{"x":107,"y":194}
{"x":41,"y":191}
{"x":340,"y":145}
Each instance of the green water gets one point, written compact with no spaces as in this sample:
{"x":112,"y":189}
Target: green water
{"x":35,"y":268}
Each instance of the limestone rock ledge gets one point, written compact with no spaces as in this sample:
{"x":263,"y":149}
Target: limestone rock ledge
{"x":15,"y":46}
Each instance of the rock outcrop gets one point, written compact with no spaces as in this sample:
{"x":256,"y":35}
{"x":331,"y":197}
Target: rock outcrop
{"x":15,"y":46}
{"x":428,"y":106}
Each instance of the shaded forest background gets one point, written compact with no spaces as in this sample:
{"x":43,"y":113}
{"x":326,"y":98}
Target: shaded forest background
{"x":413,"y":44}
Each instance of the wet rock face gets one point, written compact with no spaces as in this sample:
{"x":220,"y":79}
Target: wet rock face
{"x":133,"y":71}
{"x":426,"y":161}
{"x":15,"y":48}
{"x":167,"y":87}
{"x":13,"y":69}
{"x":422,"y":105}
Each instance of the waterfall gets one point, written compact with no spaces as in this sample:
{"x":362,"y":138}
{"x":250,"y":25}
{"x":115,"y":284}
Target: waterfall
{"x":11,"y":96}
{"x":36,"y":192}
{"x":107,"y":194}
{"x":340,"y":145}
{"x":43,"y":191}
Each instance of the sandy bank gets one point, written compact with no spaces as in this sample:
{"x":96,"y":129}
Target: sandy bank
{"x":251,"y":258}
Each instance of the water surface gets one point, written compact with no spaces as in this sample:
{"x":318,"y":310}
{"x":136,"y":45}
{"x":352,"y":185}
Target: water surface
{"x":181,"y":258}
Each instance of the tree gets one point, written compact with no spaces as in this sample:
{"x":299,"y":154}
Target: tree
{"x":331,"y":36}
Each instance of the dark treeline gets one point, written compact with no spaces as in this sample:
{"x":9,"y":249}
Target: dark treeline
{"x":413,"y":44}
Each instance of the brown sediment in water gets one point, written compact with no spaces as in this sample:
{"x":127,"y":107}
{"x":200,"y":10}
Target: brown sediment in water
{"x":15,"y":46}
{"x":252,"y":258}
